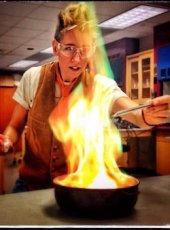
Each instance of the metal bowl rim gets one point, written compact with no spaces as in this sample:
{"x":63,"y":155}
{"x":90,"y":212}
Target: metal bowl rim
{"x":58,"y":184}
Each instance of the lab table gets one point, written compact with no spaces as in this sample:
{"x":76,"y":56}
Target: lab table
{"x":39,"y":208}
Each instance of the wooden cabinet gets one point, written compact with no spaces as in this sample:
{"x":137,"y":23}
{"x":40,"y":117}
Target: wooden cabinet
{"x":7,"y":106}
{"x":6,"y":109}
{"x":163,"y":152}
{"x":140,"y":149}
{"x":1,"y":175}
{"x":140,"y":76}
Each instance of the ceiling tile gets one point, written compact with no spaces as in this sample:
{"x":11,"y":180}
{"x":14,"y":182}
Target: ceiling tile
{"x":17,"y":8}
{"x":13,"y":39}
{"x":113,"y":7}
{"x":58,"y":4}
{"x":20,"y":32}
{"x":45,"y":13}
{"x":38,"y":43}
{"x":8,"y":60}
{"x":6,"y":20}
{"x":34,"y":24}
{"x":6,"y":47}
{"x":3,"y":29}
{"x":24,"y":52}
{"x":47,"y":35}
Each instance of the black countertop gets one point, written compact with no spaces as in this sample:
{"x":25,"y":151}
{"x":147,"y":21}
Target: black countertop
{"x":39,"y":208}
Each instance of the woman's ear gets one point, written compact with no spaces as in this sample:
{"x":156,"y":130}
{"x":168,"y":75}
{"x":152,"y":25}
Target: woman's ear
{"x":54,"y":46}
{"x":90,"y":66}
{"x":87,"y":68}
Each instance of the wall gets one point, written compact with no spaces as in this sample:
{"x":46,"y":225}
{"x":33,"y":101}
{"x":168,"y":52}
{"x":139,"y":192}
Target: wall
{"x":117,"y":52}
{"x":161,"y":38}
{"x":146,"y":43}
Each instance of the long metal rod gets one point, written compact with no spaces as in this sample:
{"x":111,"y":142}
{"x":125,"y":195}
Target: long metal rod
{"x":125,"y":111}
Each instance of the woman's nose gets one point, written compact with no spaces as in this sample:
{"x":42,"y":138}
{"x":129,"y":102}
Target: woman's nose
{"x":76,"y":57}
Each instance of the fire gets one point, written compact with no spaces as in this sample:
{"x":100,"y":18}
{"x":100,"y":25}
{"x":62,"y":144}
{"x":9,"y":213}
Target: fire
{"x":90,"y":140}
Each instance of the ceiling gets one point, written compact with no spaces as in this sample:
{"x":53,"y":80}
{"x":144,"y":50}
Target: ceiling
{"x":27,"y":27}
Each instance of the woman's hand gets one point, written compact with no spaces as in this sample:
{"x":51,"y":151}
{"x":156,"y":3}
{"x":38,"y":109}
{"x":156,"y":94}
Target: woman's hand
{"x":159,"y":112}
{"x":5,"y":144}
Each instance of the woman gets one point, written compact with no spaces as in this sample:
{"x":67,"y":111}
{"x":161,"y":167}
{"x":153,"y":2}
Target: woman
{"x":45,"y":87}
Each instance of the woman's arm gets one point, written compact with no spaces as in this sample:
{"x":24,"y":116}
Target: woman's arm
{"x":15,"y":126}
{"x":156,"y":114}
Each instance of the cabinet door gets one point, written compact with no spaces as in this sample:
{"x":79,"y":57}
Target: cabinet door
{"x":6,"y":109}
{"x":140,"y":76}
{"x":163,"y":155}
{"x":134,"y":79}
{"x":147,"y":76}
{"x":7,"y":106}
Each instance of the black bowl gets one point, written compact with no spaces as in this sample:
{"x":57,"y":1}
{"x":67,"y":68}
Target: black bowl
{"x":96,"y":202}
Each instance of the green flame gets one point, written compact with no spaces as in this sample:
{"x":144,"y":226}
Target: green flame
{"x":102,"y":63}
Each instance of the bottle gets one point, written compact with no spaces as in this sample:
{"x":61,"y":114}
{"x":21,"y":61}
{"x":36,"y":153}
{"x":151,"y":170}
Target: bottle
{"x":7,"y":144}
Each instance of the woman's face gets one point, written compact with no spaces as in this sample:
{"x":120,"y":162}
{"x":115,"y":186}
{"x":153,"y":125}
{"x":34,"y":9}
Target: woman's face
{"x":72,"y":65}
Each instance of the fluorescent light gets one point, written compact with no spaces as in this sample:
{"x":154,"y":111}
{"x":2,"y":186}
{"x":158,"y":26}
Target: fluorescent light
{"x":23,"y":64}
{"x":48,"y":50}
{"x":133,"y":16}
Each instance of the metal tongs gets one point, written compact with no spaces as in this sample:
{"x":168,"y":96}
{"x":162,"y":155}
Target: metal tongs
{"x":117,"y":116}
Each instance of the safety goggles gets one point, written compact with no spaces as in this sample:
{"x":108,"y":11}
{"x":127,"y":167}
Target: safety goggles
{"x":71,"y":50}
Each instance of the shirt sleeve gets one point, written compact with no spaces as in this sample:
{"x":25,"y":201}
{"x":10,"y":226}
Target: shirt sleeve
{"x":27,"y":87}
{"x":109,"y":90}
{"x":110,"y":87}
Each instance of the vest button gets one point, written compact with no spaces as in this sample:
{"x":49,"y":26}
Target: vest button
{"x":55,"y":147}
{"x":52,"y":169}
{"x":54,"y":158}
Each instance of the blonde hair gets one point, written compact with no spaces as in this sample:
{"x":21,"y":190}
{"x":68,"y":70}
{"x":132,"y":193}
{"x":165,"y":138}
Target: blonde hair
{"x":79,"y":15}
{"x":75,"y":15}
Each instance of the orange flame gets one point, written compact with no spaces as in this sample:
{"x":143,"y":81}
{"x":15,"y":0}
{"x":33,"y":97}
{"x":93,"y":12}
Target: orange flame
{"x":91,"y":142}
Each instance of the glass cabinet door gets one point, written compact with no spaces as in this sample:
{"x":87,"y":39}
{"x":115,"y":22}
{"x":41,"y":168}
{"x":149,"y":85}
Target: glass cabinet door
{"x":146,"y":77}
{"x":134,"y":80}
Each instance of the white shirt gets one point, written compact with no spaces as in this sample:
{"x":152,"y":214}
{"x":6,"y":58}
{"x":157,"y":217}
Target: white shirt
{"x":26,"y":90}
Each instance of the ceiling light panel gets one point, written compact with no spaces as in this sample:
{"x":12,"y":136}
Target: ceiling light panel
{"x":48,"y":51}
{"x":133,"y":16}
{"x":23,"y":64}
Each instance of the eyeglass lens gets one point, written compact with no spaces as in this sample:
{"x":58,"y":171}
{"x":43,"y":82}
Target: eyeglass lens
{"x":70,"y":51}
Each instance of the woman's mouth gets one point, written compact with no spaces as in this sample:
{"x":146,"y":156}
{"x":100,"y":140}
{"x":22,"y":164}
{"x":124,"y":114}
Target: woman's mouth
{"x":74,"y":68}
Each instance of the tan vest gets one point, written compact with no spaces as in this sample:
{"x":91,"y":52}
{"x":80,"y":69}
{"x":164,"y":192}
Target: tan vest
{"x":44,"y":158}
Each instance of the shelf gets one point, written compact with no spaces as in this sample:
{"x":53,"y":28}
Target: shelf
{"x":134,"y":89}
{"x":135,"y":73}
{"x":146,"y":71}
